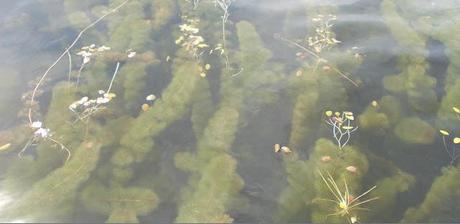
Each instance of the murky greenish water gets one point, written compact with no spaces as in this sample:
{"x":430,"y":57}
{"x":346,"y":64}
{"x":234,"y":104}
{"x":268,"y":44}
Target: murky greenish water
{"x":318,"y":111}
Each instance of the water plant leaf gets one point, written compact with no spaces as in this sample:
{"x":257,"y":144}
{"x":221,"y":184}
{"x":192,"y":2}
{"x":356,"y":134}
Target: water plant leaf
{"x":456,"y":140}
{"x":456,"y":109}
{"x":328,"y":113}
{"x":444,"y":132}
{"x":5,"y":147}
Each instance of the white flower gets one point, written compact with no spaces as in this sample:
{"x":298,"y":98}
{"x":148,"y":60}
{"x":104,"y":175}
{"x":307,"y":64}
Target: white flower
{"x":101,"y":92}
{"x":84,"y":99}
{"x":73,"y":106}
{"x":103,"y":48}
{"x":131,"y":54}
{"x":150,"y":97}
{"x":36,"y":124}
{"x":86,"y":59}
{"x":102,"y":100}
{"x":42,"y":132}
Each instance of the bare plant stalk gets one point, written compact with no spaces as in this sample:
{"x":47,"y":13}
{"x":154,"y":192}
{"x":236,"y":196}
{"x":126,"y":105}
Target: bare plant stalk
{"x":224,"y":6}
{"x":113,"y":77}
{"x":67,"y":52}
{"x":63,"y":147}
{"x":342,"y":136}
{"x":319,"y":58}
{"x":70,"y":65}
{"x":79,"y":73}
{"x":452,"y":155}
{"x":31,"y":141}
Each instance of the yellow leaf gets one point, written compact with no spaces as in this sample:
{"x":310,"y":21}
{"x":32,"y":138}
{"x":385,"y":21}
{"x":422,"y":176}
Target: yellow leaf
{"x":203,"y":74}
{"x":337,"y":114}
{"x":444,"y":132}
{"x":207,"y":66}
{"x":350,"y":117}
{"x":145,"y":107}
{"x":5,"y":146}
{"x":374,"y":103}
{"x":456,"y":140}
{"x":328,"y":113}
{"x":286,"y":149}
{"x":456,"y":109}
{"x":277,"y":147}
{"x":111,"y":95}
{"x":298,"y":73}
{"x":347,"y":127}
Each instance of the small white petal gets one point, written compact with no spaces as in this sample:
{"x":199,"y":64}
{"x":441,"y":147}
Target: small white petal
{"x":150,"y":97}
{"x":131,"y":54}
{"x":36,"y":124}
{"x":86,"y":60}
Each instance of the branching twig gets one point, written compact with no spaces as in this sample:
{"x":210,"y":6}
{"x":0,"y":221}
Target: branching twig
{"x":342,"y":128}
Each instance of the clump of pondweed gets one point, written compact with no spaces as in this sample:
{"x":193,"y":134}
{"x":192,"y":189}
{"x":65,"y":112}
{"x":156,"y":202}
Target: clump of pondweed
{"x":314,"y":46}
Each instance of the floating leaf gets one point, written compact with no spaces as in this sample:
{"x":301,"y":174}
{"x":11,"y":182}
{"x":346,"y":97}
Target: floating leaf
{"x":374,"y":103}
{"x":145,"y":107}
{"x":111,"y":95}
{"x":347,"y":127}
{"x":203,"y":75}
{"x":299,"y":73}
{"x":207,"y":66}
{"x":350,"y":117}
{"x":337,"y":114}
{"x":444,"y":132}
{"x":150,"y":97}
{"x":286,"y":149}
{"x":277,"y":148}
{"x":328,"y":113}
{"x":456,"y":109}
{"x":351,"y":169}
{"x":456,"y":140}
{"x":5,"y":146}
{"x":132,"y":54}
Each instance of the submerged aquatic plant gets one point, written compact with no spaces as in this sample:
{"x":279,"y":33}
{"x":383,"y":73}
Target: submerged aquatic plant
{"x":324,"y":36}
{"x":41,"y":133}
{"x":347,"y":204}
{"x":86,"y":52}
{"x":86,"y":107}
{"x":315,"y":45}
{"x":342,"y":126}
{"x":190,"y":39}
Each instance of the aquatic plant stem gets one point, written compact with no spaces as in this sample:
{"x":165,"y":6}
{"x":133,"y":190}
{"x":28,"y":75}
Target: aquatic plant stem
{"x":70,"y":65}
{"x":343,"y":75}
{"x":113,"y":77}
{"x":62,"y":147}
{"x":224,"y":5}
{"x":67,"y":52}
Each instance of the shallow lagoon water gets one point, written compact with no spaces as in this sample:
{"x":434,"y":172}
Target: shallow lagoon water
{"x":205,"y":149}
